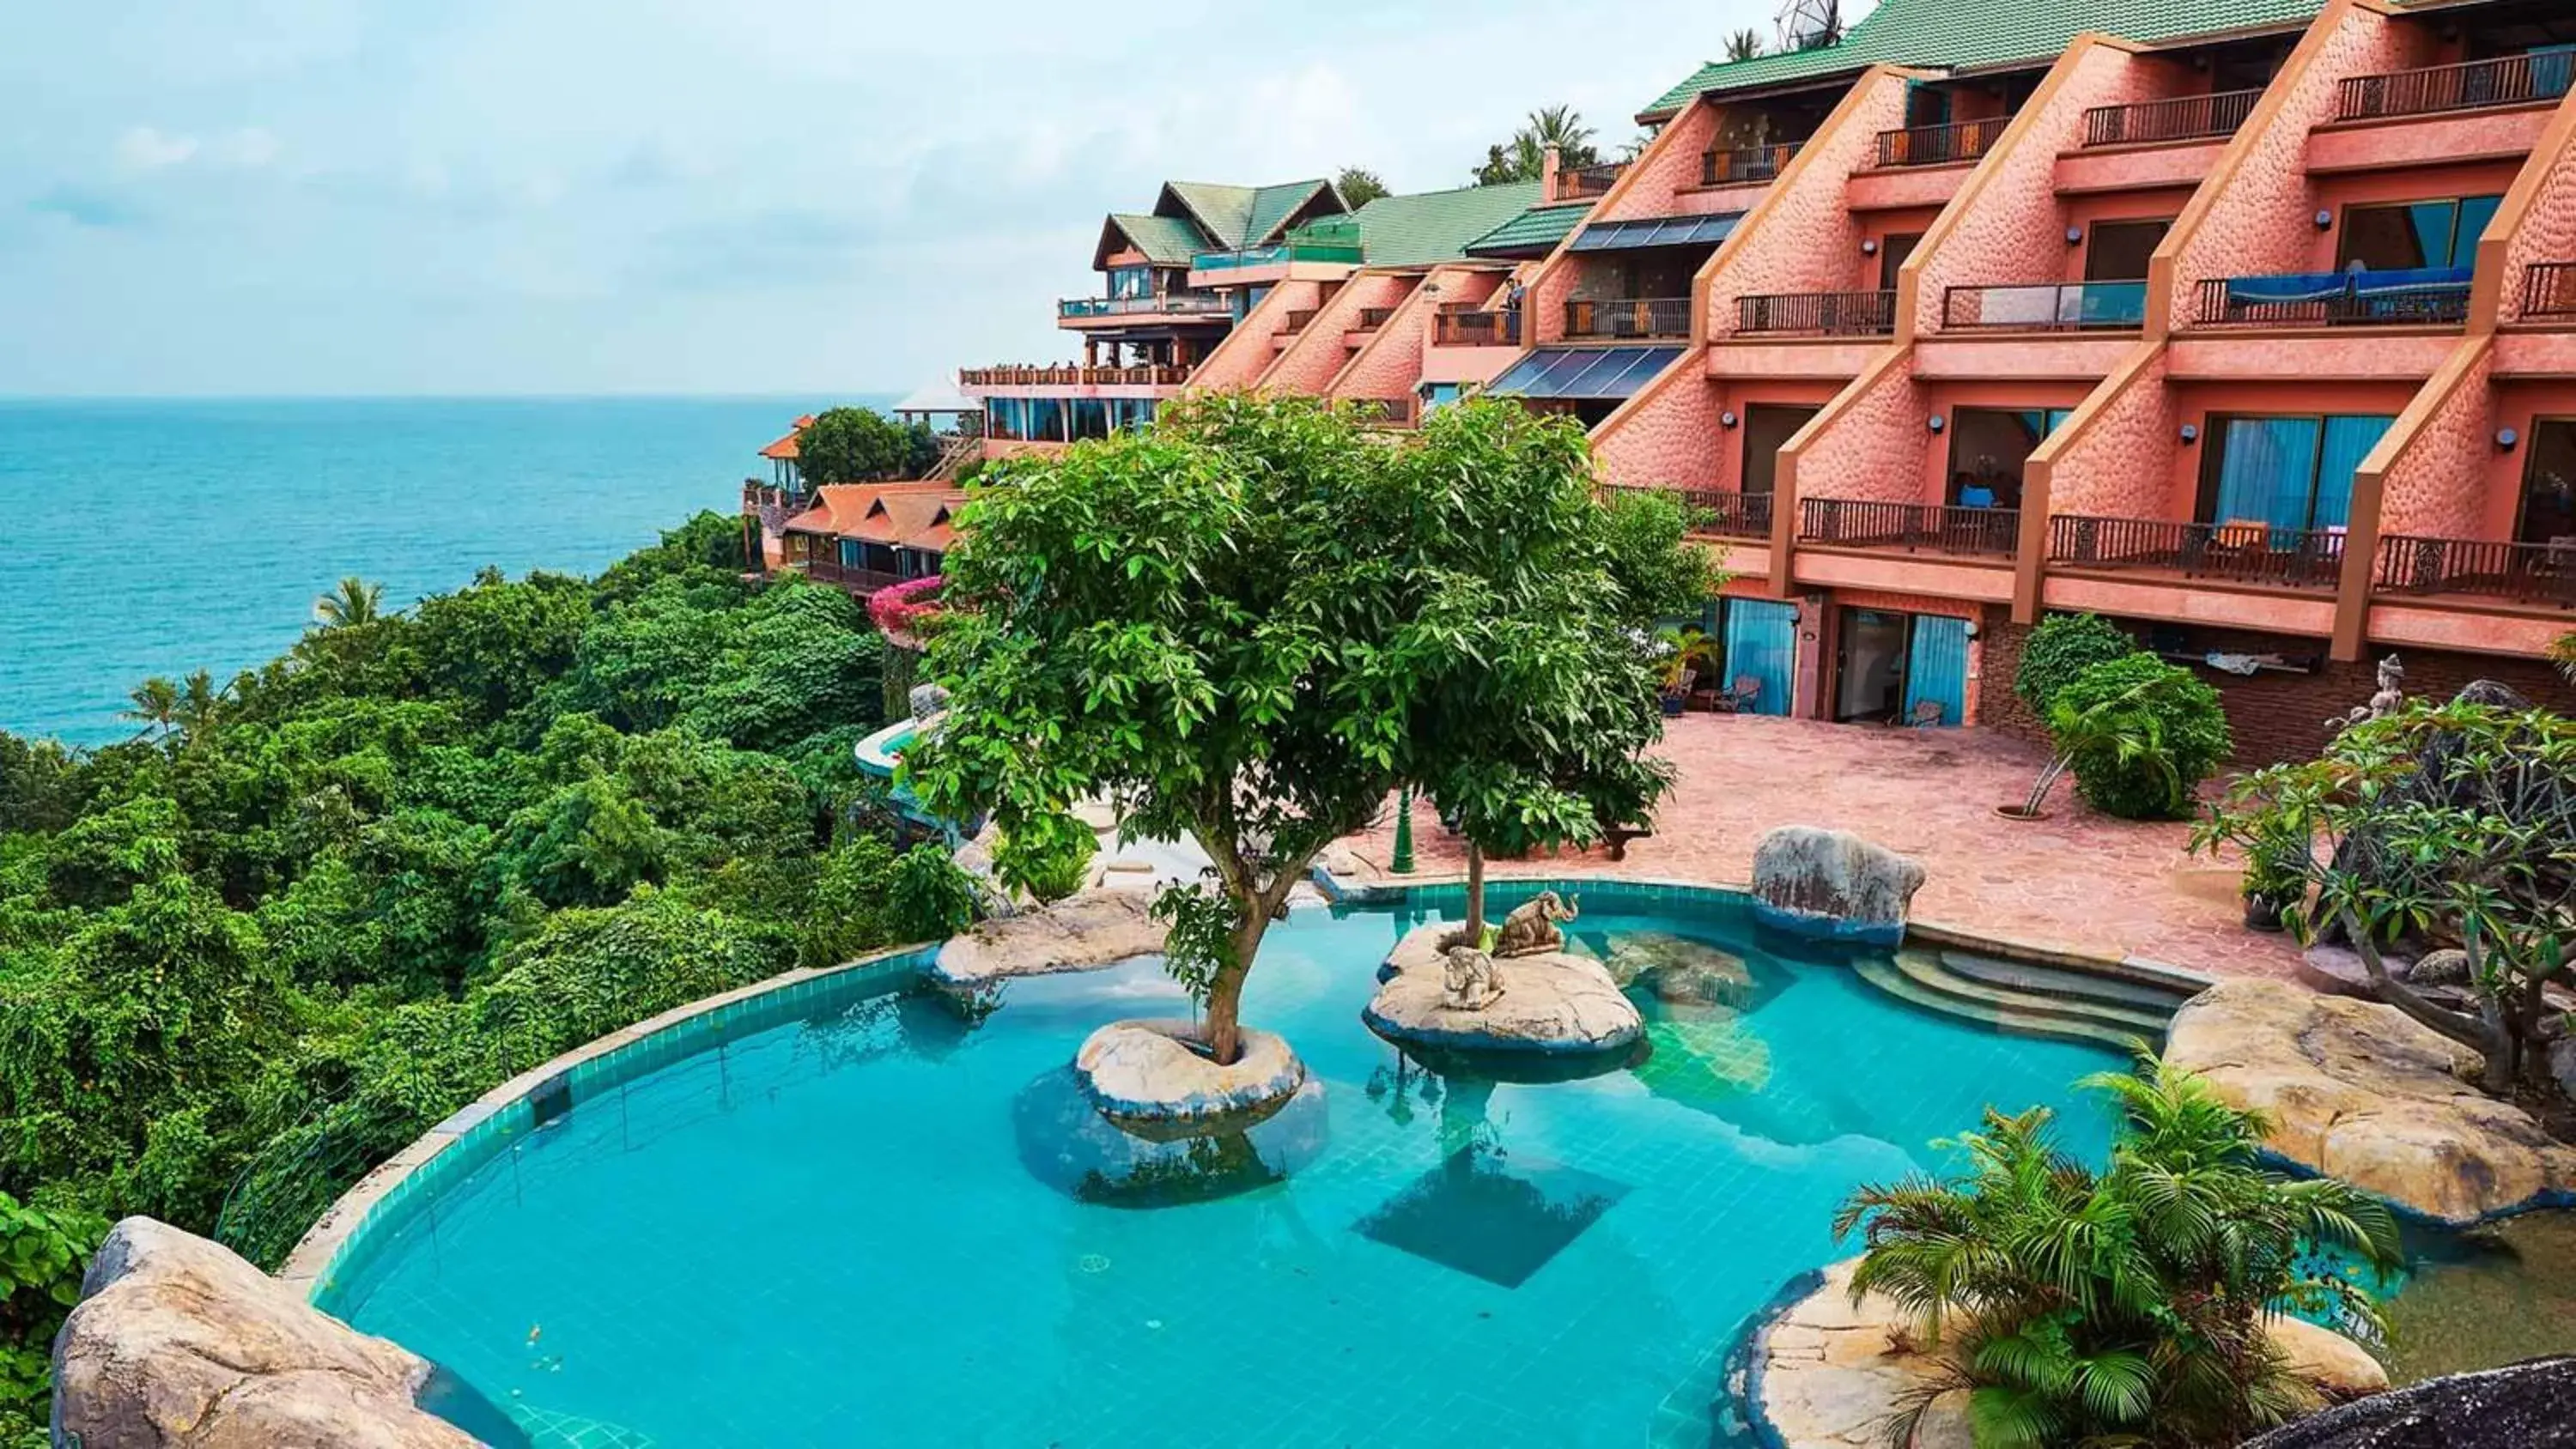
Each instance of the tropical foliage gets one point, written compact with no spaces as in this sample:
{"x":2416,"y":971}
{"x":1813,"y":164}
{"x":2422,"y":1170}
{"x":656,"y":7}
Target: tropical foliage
{"x":2562,"y":651}
{"x":2452,"y":822}
{"x":252,"y":953}
{"x":1744,"y":45}
{"x":2140,"y":735}
{"x":1359,"y":187}
{"x":2061,"y":647}
{"x":1524,"y":156}
{"x":2127,"y":1306}
{"x":861,"y":445}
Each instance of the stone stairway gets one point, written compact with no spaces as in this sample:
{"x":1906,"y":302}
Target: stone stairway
{"x":2030,"y":999}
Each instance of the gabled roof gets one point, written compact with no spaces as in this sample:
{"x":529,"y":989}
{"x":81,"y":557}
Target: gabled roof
{"x":1533,"y":233}
{"x":1166,"y":241}
{"x":1436,"y":226}
{"x":785,"y":448}
{"x":910,"y":514}
{"x":1981,"y":34}
{"x":1236,"y":217}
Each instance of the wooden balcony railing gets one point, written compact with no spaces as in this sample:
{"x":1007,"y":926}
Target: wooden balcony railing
{"x":1939,"y":145}
{"x":1372,"y":318}
{"x":1069,"y":374}
{"x":1913,"y":527}
{"x":2247,"y":553}
{"x":1388,"y":412}
{"x":2549,"y":289}
{"x":1582,"y":183}
{"x":1817,"y":314}
{"x":1297,"y":321}
{"x":2529,"y":573}
{"x":2049,"y":307}
{"x":1728,"y":515}
{"x":1164,"y":304}
{"x":2432,"y":296}
{"x":1629,"y":317}
{"x":1746,"y":165}
{"x":2509,"y":80}
{"x":856,"y":580}
{"x":1472,"y":328}
{"x":2184,"y":118}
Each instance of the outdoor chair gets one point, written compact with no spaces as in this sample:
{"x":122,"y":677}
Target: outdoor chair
{"x":1743,"y":695}
{"x":1926,"y":715}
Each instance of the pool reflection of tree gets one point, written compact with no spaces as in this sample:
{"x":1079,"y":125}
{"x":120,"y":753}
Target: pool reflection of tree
{"x":1065,"y":1143}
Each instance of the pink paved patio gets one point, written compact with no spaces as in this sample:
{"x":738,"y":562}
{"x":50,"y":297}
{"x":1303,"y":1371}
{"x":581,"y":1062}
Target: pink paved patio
{"x":2077,"y":881}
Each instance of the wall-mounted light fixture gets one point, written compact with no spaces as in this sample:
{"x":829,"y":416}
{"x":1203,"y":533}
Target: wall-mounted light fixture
{"x":2506,"y":438}
{"x":2325,"y":219}
{"x":1937,"y":423}
{"x":1975,"y":629}
{"x":1869,"y":246}
{"x":2190,"y":434}
{"x":2075,"y":236}
{"x":1726,"y":420}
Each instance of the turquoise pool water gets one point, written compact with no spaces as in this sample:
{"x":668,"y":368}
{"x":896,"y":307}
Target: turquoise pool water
{"x":879,"y":1222}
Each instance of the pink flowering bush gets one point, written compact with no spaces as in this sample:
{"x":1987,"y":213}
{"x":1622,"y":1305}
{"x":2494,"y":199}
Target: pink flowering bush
{"x":909,"y":609}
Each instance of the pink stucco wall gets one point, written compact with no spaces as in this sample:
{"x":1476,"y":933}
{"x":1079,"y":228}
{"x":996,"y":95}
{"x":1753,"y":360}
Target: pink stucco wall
{"x":2546,"y":232}
{"x":2435,"y":480}
{"x":2007,"y":225}
{"x":1668,"y":166}
{"x":1390,"y":363}
{"x":2254,"y":215}
{"x":1869,"y":444}
{"x":1247,"y":352}
{"x":2114,"y":459}
{"x":2441,"y":140}
{"x":1666,"y":437}
{"x":1802,"y":238}
{"x":1320,"y":352}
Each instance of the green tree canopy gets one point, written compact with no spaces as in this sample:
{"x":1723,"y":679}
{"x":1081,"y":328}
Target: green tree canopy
{"x":1359,"y":187}
{"x":861,"y":445}
{"x":1524,"y":156}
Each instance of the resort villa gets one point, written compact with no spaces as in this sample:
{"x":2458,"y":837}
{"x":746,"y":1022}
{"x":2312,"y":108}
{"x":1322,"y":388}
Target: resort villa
{"x":2249,"y":324}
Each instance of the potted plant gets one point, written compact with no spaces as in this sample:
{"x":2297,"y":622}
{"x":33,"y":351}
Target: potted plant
{"x":1686,"y":654}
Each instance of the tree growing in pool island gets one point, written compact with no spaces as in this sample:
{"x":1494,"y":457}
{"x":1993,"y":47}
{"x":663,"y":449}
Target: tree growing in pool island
{"x":1239,"y":626}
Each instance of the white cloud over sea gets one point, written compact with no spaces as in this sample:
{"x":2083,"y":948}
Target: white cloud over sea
{"x":327,"y":196}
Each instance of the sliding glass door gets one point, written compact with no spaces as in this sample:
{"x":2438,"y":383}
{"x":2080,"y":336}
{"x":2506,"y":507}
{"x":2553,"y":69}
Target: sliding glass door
{"x":2286,"y":473}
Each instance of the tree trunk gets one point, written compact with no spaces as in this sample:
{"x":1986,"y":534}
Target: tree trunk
{"x":1473,"y":932}
{"x":2468,"y":1031}
{"x":1225,"y":993}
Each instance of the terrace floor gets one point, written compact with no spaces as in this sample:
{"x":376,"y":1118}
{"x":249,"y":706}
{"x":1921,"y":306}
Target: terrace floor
{"x":2077,"y":881}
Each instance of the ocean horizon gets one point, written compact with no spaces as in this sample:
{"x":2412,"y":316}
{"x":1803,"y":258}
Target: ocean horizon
{"x":144,"y":536}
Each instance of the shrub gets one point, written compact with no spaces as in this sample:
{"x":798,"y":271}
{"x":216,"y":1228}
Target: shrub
{"x":2062,"y":647}
{"x":2140,"y":735}
{"x":928,"y":898}
{"x":41,"y":1258}
{"x":1049,"y":857}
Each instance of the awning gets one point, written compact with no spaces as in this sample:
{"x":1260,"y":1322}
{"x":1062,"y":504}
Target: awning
{"x":1585,"y":372}
{"x":1661,"y":231}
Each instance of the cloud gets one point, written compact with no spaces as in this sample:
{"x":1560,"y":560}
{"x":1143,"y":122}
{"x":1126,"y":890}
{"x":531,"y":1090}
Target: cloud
{"x":149,"y":148}
{"x":88,"y":206}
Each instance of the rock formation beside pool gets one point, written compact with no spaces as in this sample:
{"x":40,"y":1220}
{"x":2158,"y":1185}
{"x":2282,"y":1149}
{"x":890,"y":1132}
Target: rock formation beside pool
{"x":1833,"y":884}
{"x":177,"y":1341}
{"x":2528,"y":1406}
{"x":1148,"y":1076}
{"x":2358,"y":1091}
{"x":1079,"y":933}
{"x":1825,"y":1373}
{"x":1549,"y":1002}
{"x":1680,"y":971}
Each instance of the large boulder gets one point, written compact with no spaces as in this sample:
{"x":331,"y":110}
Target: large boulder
{"x":1147,"y":1076}
{"x":1552,"y":1003}
{"x":2527,"y":1406}
{"x":2357,"y":1090}
{"x":1079,"y":933}
{"x":178,"y":1342}
{"x":1833,"y":884}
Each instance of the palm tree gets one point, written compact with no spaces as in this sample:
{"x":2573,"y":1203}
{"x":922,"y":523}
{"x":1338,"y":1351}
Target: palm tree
{"x":156,"y":704}
{"x":198,"y":704}
{"x":1743,"y":45}
{"x":2124,"y":728}
{"x":1561,"y":127}
{"x":353,"y":603}
{"x":2126,"y":1306}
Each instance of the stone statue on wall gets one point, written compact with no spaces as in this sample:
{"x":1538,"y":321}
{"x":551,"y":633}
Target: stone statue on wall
{"x":2390,"y":698}
{"x":1467,"y":979}
{"x":1531,"y":928}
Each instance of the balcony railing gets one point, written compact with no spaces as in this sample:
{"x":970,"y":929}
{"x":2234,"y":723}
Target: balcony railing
{"x":1069,"y":374}
{"x":2509,"y":80}
{"x":1746,"y":165}
{"x":2549,"y":289}
{"x":2430,"y":296}
{"x":2249,"y":553}
{"x":2056,"y":307}
{"x":1388,"y":412}
{"x":1817,"y":314}
{"x":1297,"y":320}
{"x":1628,"y":317}
{"x":2184,"y":118}
{"x":1939,"y":145}
{"x":1471,"y":328}
{"x":1728,"y":515}
{"x":857,"y":580}
{"x":1373,"y":318}
{"x":1272,"y":255}
{"x":1582,"y":183}
{"x":1167,"y":304}
{"x":2529,"y":573}
{"x":1913,"y":527}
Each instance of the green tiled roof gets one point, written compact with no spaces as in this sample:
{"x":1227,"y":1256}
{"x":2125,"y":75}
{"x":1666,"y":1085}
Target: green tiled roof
{"x":1436,"y":226}
{"x":1534,"y":232}
{"x":1972,"y":34}
{"x":1242,"y":216}
{"x":1168,"y":241}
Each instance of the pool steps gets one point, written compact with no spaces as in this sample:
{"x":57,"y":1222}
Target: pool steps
{"x":2026,"y":998}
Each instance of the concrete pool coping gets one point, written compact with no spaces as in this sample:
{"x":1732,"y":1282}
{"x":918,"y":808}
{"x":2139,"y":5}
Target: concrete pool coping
{"x":640,"y":1048}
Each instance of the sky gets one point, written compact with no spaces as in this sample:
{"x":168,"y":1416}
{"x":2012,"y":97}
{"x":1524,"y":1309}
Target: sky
{"x":312,"y":197}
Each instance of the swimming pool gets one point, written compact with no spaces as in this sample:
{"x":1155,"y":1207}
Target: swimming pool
{"x":879,"y":1220}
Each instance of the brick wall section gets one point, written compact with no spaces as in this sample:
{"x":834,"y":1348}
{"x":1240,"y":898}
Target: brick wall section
{"x":1802,"y":238}
{"x":1671,"y":163}
{"x":2256,"y":217}
{"x":2546,"y":230}
{"x":1869,"y":443}
{"x":1390,"y":364}
{"x":1246,"y":351}
{"x":2007,"y":225}
{"x":2114,"y":461}
{"x":2436,"y":484}
{"x":1667,"y":437}
{"x":1317,"y":355}
{"x":2279,"y":717}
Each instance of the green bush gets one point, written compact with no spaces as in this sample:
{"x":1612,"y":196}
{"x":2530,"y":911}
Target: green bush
{"x":2062,"y":647}
{"x":2140,"y":735}
{"x":41,"y":1257}
{"x":1050,"y":858}
{"x":928,"y":898}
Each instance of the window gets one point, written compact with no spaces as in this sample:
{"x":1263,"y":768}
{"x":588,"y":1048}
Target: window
{"x":2417,"y":236}
{"x":1988,"y":447}
{"x":1128,"y":282}
{"x":1892,"y":252}
{"x":1768,"y":429}
{"x":2289,"y":473}
{"x":2120,"y":249}
{"x":2549,"y":484}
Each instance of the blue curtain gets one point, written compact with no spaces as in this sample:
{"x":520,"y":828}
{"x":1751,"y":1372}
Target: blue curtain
{"x":2475,"y":213}
{"x":1762,"y":642}
{"x":2268,"y":473}
{"x":1937,"y":669}
{"x":851,"y":554}
{"x":2347,"y":441}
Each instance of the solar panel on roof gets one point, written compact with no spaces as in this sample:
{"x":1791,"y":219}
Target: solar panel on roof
{"x":1661,"y":231}
{"x":1584,"y":372}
